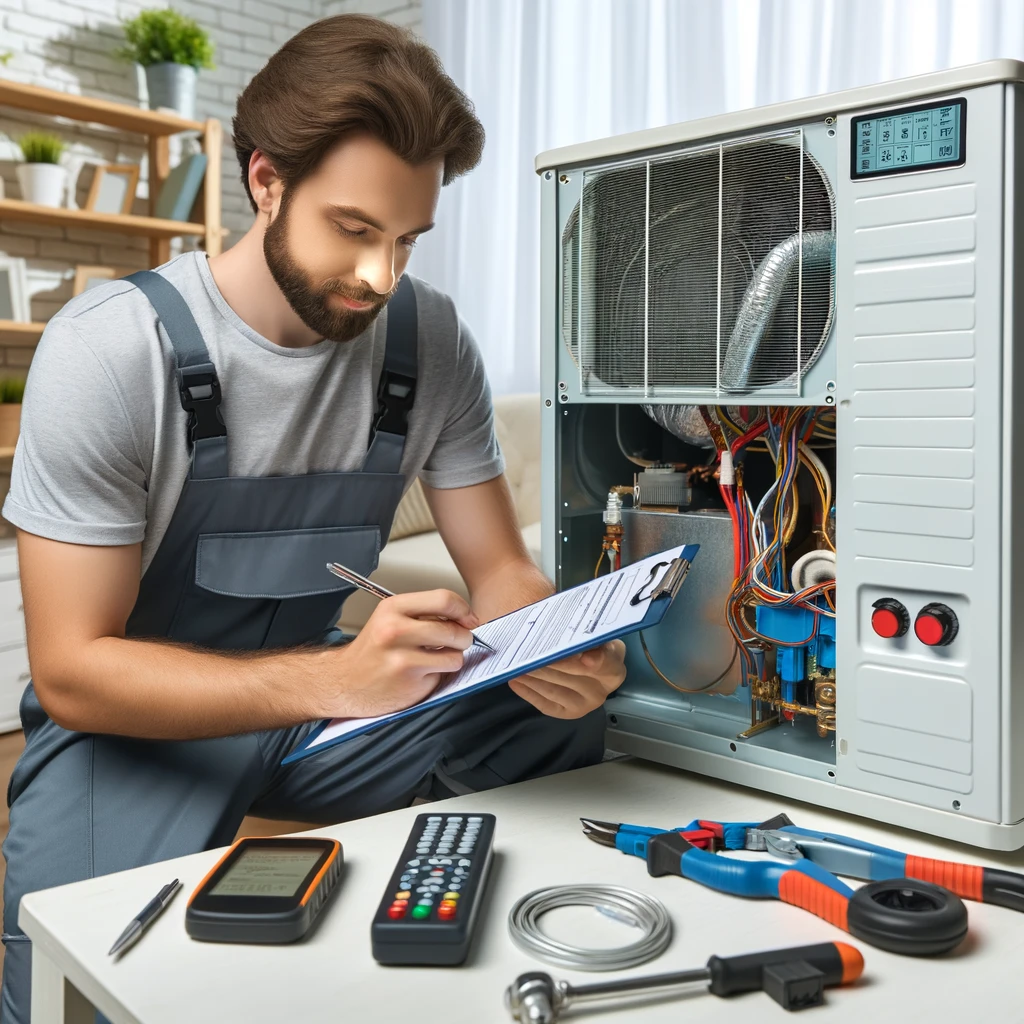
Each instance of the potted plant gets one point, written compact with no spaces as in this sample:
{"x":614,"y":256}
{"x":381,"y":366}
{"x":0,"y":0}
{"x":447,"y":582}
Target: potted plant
{"x":41,"y":176}
{"x":172,"y":48}
{"x":11,"y":391}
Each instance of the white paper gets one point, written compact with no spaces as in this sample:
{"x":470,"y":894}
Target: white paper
{"x":541,"y":632}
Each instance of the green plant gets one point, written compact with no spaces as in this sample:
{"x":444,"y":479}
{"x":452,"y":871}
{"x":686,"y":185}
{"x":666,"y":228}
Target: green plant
{"x":41,"y":148}
{"x":5,"y":57}
{"x":12,"y":390}
{"x":155,"y":37}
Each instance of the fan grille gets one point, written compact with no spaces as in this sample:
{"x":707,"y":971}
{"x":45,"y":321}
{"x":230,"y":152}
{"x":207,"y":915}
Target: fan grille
{"x":659,"y":256}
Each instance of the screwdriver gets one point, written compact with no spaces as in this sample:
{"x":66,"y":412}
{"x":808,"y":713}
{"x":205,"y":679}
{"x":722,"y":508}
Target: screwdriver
{"x":795,"y":978}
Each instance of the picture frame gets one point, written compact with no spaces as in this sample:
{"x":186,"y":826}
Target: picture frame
{"x":113,"y":188}
{"x":14,"y":297}
{"x":87,"y":276}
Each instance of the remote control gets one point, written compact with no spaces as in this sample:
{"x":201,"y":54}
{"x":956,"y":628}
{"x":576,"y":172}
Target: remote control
{"x":432,"y":902}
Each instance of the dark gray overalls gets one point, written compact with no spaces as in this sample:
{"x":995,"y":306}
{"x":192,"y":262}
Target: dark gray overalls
{"x":241,"y":567}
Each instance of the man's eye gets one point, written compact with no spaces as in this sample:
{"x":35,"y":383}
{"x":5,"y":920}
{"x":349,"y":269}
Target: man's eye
{"x":349,"y":233}
{"x":409,"y":243}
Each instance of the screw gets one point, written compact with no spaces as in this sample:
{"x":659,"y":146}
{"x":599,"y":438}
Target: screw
{"x":831,"y":133}
{"x":547,"y":175}
{"x":831,"y":385}
{"x":547,"y":402}
{"x":563,"y":398}
{"x":956,"y":805}
{"x":564,"y":179}
{"x":562,"y":385}
{"x":829,"y":400}
{"x":613,"y":720}
{"x":830,"y":120}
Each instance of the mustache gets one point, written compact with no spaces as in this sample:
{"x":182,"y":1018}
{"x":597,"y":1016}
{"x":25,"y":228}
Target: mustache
{"x":356,"y":294}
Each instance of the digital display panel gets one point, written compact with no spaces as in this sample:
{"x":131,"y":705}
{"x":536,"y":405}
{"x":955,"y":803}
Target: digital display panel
{"x":913,"y":139}
{"x":262,"y":871}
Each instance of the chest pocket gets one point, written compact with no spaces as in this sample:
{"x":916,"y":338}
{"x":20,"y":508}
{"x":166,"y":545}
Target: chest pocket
{"x":276,"y":581}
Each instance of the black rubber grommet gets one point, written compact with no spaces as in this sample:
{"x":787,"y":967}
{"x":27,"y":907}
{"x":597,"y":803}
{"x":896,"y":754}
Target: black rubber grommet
{"x":904,"y":915}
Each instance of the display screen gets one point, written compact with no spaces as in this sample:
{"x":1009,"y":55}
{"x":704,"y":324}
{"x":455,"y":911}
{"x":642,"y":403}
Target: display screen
{"x":262,"y":871}
{"x":910,"y":140}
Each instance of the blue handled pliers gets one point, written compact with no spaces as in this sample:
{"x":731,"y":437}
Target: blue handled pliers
{"x":909,"y":915}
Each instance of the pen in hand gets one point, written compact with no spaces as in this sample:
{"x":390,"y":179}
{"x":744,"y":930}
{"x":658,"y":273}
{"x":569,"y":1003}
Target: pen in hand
{"x":378,"y":591}
{"x":145,"y":917}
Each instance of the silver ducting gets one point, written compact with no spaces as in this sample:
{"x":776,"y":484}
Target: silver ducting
{"x":775,"y":274}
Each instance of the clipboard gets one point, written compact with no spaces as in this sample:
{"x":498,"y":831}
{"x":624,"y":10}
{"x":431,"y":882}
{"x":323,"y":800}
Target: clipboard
{"x":651,"y":585}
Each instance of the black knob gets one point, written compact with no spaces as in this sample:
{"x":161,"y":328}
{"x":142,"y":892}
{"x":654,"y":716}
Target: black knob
{"x":936,"y":625}
{"x":889,"y":618}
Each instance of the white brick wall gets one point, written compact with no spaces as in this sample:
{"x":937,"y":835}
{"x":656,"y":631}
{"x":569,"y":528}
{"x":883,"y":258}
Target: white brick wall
{"x":68,"y":45}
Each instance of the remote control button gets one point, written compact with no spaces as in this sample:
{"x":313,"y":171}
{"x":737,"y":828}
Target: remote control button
{"x":412,"y":863}
{"x":421,"y":912}
{"x":396,"y":912}
{"x":446,"y":860}
{"x":434,"y":817}
{"x":475,"y":817}
{"x":464,"y":849}
{"x":464,"y":863}
{"x":423,"y":889}
{"x":437,"y":871}
{"x":434,"y":860}
{"x":451,"y":896}
{"x":455,"y":817}
{"x":403,"y":895}
{"x":446,"y":913}
{"x":455,"y":886}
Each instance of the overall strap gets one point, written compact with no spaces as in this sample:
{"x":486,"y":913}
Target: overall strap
{"x":396,"y":391}
{"x":198,"y":386}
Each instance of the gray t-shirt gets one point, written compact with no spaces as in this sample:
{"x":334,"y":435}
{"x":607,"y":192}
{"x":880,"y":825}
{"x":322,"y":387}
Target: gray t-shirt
{"x":102,"y":454}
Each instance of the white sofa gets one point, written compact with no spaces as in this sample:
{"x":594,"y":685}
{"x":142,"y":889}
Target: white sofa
{"x":415,"y":557}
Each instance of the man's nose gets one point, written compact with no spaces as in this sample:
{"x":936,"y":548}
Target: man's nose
{"x":377,"y":269}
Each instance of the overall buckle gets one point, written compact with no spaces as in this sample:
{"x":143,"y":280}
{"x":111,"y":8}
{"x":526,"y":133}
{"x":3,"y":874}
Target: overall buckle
{"x":395,"y":397}
{"x":199,"y":389}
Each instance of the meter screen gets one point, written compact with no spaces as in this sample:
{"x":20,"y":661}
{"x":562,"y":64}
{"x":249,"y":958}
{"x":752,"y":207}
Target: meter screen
{"x":913,"y":139}
{"x":264,"y":871}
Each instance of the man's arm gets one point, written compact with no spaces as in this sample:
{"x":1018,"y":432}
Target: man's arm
{"x":480,"y":529}
{"x":89,"y":677}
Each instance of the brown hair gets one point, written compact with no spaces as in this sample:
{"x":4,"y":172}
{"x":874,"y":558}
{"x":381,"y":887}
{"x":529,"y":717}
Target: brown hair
{"x":354,"y":73}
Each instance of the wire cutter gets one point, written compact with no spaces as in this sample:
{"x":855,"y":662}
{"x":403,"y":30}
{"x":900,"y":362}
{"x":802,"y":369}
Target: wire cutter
{"x":906,"y":908}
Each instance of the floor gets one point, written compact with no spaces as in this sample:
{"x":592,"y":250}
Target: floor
{"x":11,"y":745}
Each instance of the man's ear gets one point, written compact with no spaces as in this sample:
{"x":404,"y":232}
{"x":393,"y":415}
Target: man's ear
{"x":264,"y":184}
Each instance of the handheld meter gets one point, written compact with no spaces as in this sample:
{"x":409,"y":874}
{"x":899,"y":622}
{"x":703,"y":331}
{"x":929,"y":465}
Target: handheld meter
{"x":264,"y":890}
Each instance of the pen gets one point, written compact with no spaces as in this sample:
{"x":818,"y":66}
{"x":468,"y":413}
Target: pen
{"x":378,"y":591}
{"x":149,"y":913}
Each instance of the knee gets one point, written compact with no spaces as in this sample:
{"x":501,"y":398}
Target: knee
{"x":584,"y":738}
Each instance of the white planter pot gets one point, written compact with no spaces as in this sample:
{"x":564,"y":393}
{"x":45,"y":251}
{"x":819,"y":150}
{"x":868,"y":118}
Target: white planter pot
{"x":42,"y":183}
{"x":172,"y":86}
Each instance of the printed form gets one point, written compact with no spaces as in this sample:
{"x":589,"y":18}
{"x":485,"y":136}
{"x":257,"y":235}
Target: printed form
{"x":539,"y":634}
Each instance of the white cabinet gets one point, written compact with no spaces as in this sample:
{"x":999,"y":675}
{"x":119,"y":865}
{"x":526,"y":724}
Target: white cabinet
{"x":13,"y":653}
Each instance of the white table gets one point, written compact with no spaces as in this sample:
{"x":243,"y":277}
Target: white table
{"x":332,"y":979}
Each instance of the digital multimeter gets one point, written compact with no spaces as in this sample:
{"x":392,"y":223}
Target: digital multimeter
{"x":264,"y":890}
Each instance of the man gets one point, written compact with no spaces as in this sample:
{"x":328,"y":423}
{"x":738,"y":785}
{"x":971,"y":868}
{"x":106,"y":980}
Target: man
{"x":197,"y":443}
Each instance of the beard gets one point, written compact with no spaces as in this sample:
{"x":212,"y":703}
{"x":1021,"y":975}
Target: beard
{"x":310,"y":301}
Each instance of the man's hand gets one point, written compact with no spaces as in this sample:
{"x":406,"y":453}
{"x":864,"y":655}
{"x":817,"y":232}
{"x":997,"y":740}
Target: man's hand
{"x":399,"y":656}
{"x":574,"y":687}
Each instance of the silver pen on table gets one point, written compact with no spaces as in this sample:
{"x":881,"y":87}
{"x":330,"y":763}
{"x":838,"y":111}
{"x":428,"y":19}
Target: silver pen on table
{"x":145,"y":917}
{"x":378,"y":591}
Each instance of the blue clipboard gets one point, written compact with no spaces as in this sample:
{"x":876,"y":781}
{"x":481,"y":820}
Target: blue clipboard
{"x":659,"y":599}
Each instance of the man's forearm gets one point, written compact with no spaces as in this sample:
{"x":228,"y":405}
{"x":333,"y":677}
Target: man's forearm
{"x":509,"y":587}
{"x":149,"y":689}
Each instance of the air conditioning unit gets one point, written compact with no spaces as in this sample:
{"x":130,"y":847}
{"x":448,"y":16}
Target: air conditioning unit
{"x":787,"y":334}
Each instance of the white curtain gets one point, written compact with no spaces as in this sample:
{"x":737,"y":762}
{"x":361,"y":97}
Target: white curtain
{"x":547,"y":73}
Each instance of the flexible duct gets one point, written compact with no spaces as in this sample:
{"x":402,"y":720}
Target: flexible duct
{"x":773,"y":276}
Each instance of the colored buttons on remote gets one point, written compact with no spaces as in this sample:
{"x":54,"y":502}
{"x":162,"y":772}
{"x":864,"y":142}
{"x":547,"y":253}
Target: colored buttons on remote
{"x":431,"y":906}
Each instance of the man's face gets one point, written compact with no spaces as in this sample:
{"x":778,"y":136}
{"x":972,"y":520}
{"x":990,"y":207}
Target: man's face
{"x":340,"y":240}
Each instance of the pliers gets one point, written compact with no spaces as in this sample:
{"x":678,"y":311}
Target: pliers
{"x":903,"y":909}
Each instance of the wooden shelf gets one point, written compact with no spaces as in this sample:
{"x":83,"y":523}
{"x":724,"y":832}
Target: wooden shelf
{"x":13,"y":332}
{"x":6,"y":453}
{"x":126,"y":224}
{"x":83,"y":108}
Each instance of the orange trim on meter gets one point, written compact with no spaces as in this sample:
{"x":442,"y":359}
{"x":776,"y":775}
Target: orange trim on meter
{"x":213,"y":870}
{"x":320,"y":874}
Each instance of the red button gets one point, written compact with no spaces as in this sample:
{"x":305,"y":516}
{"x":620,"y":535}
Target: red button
{"x":936,"y":625}
{"x":890,"y":618}
{"x":396,"y":911}
{"x":446,"y":913}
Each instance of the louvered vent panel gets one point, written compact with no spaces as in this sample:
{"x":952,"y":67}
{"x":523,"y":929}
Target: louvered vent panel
{"x":686,"y":274}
